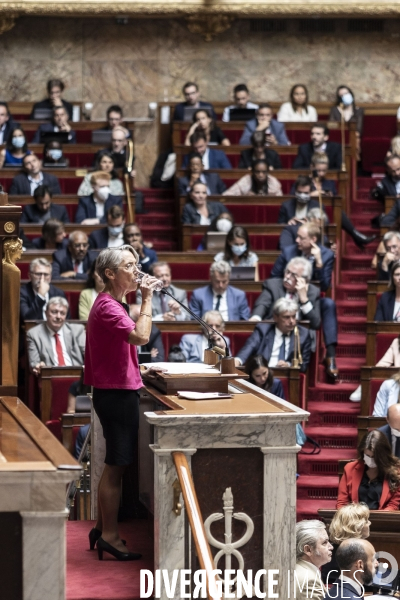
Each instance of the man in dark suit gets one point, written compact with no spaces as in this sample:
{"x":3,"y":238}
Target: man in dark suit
{"x":32,"y":177}
{"x":215,"y":185}
{"x":319,"y":143}
{"x":93,"y":209}
{"x":259,"y":151}
{"x":289,"y":233}
{"x":115,"y":118}
{"x":59,"y":123}
{"x":43,"y":208}
{"x":295,"y":209}
{"x":219,"y":295}
{"x":74,"y":261}
{"x":389,"y":185}
{"x":35,"y":294}
{"x":133,"y":237}
{"x":192,"y":94}
{"x":164,"y":308}
{"x":275,"y":341}
{"x":392,"y":429}
{"x":7,"y":124}
{"x":274,"y":131}
{"x":212,"y":159}
{"x":391,"y":241}
{"x":357,"y":564}
{"x":112,"y":235}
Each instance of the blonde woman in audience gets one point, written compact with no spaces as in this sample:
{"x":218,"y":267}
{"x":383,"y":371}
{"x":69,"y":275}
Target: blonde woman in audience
{"x":94,"y":286}
{"x":203,"y":121}
{"x":258,"y":183}
{"x":298,"y":109}
{"x":394,"y":149}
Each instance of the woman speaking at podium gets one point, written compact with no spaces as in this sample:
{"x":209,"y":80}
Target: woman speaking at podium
{"x":111,"y":367}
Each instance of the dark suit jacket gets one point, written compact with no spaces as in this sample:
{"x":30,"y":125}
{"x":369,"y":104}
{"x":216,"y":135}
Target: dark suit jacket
{"x":342,"y":590}
{"x":261,"y":341}
{"x":31,"y":213}
{"x":217,"y":159}
{"x":202,"y":300}
{"x":62,"y":262}
{"x":49,"y":127}
{"x":273,"y":290}
{"x":20,"y":184}
{"x":87,"y":207}
{"x":47,"y":104}
{"x":288,"y":209}
{"x":277,"y":129}
{"x":191,"y":216}
{"x":179,"y":110}
{"x":213,"y":182}
{"x":328,"y":185}
{"x":289,"y":235}
{"x":99,"y":238}
{"x":392,"y":216}
{"x":9,"y":128}
{"x":385,"y":187}
{"x":155,"y":341}
{"x":31,"y":306}
{"x":385,"y":308}
{"x":387,"y":431}
{"x":246,"y":158}
{"x":322,"y":275}
{"x":303,"y":158}
{"x":150,"y":258}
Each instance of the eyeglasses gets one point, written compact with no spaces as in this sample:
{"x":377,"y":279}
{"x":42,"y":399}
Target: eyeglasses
{"x":290,"y":274}
{"x":40,"y":274}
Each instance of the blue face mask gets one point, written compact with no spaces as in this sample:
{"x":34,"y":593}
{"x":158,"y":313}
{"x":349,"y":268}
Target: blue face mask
{"x":239,"y":250}
{"x":347,"y":99}
{"x":18,"y":141}
{"x":55,"y":153}
{"x":114,"y":231}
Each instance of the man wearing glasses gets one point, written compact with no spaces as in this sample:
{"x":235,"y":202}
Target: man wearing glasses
{"x":37,"y":292}
{"x":74,"y":261}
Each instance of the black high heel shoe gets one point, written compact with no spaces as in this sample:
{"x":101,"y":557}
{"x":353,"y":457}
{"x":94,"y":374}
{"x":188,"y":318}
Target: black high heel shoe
{"x":103,"y":546}
{"x":94,"y":535}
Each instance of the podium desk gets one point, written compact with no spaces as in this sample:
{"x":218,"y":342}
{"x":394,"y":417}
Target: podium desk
{"x":245,"y":447}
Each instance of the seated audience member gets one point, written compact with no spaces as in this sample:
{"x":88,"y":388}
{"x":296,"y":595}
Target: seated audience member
{"x":93,"y":209}
{"x":223,"y":223}
{"x":387,"y":396}
{"x":7,"y":124}
{"x":119,"y":142}
{"x":394,"y":149}
{"x":193,"y":345}
{"x":349,"y":522}
{"x":308,"y":245}
{"x":258,"y":183}
{"x":15,"y":150}
{"x":35,"y":294}
{"x":219,"y":295}
{"x":313,"y":550}
{"x":260,"y":375}
{"x":43,"y":208}
{"x":175,"y":354}
{"x":155,"y":345}
{"x":392,"y":429}
{"x":389,"y":186}
{"x":55,"y":88}
{"x":195,"y":172}
{"x":289,"y":233}
{"x":259,"y":151}
{"x":25,"y":183}
{"x":94,"y":285}
{"x":296,"y":209}
{"x":275,"y":341}
{"x":56,"y":343}
{"x":211,"y":158}
{"x":298,"y":108}
{"x":110,"y":236}
{"x":164,"y":170}
{"x":53,"y":155}
{"x":104,"y":162}
{"x":53,"y":236}
{"x":388,"y":308}
{"x":203,"y":121}
{"x":164,"y":308}
{"x":241,"y":97}
{"x":133,"y":237}
{"x":191,"y":93}
{"x":199,"y":210}
{"x":390,"y":245}
{"x":74,"y":261}
{"x":275,"y":133}
{"x":114,"y":118}
{"x":238,"y":250}
{"x":319,"y":143}
{"x":374,"y":478}
{"x":59,"y":123}
{"x":357,"y":566}
{"x":346,"y":108}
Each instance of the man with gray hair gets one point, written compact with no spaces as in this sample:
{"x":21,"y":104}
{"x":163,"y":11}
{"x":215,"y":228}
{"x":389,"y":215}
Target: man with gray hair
{"x":313,"y":550}
{"x":219,"y":295}
{"x":275,"y":341}
{"x":56,"y":342}
{"x":35,"y":294}
{"x":193,"y":345}
{"x":357,"y":563}
{"x":391,"y":243}
{"x":289,"y":233}
{"x":74,"y":261}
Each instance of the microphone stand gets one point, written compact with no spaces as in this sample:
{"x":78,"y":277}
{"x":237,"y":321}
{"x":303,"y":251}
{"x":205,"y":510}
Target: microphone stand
{"x":318,"y":180}
{"x":342,"y":135}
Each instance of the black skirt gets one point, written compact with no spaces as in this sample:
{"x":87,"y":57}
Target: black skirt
{"x":118,"y":411}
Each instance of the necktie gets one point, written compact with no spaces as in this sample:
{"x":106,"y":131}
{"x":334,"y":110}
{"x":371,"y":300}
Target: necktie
{"x":76,"y":266}
{"x":218,"y":302}
{"x":60,"y":355}
{"x":282,"y":349}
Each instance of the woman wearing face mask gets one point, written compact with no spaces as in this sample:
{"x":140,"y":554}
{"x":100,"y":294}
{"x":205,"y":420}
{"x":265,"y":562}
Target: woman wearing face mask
{"x":202,"y":121}
{"x":261,"y":376}
{"x":374,"y":478}
{"x":346,"y":106}
{"x":259,"y":183}
{"x":237,"y":250}
{"x":93,"y":209}
{"x":53,"y":155}
{"x":198,"y":210}
{"x":222,"y":223}
{"x":94,"y":286}
{"x":53,"y":236}
{"x":15,"y":150}
{"x":195,"y":172}
{"x":298,"y":109}
{"x":104,"y":162}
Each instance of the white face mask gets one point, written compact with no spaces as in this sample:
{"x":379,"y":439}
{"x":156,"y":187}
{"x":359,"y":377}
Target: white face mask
{"x":395,"y":432}
{"x":224,"y":225}
{"x":369,"y":461}
{"x":103,"y":192}
{"x":239,"y":249}
{"x":347,"y":99}
{"x":302,"y":198}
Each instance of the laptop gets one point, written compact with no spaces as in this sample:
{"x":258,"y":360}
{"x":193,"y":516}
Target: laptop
{"x":188,"y":112}
{"x":54,"y":136}
{"x":242,"y":114}
{"x":243,"y":274}
{"x":43,"y":114}
{"x":215,"y":240}
{"x":101,"y":137}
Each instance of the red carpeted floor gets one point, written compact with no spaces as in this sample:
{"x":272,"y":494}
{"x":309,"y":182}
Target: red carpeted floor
{"x":88,"y":578}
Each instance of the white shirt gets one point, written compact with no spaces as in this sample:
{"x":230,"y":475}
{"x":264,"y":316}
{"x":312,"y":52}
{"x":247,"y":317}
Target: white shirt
{"x":398,"y":187}
{"x":301,"y":210}
{"x":396,"y":310}
{"x":287,"y":114}
{"x":115,"y":242}
{"x":2,"y":130}
{"x":273,"y":361}
{"x":321,"y":148}
{"x":388,"y":394}
{"x":67,"y":359}
{"x":35,"y":183}
{"x":223,"y":305}
{"x":226,"y":116}
{"x":99,"y":207}
{"x":205,"y":159}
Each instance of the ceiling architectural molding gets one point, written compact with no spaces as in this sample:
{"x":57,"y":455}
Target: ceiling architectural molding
{"x":209,"y":26}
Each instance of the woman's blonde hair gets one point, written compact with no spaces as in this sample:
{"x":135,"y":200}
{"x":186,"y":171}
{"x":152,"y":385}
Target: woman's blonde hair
{"x":348,"y":522}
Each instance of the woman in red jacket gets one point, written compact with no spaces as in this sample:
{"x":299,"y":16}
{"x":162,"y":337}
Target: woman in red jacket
{"x":374,"y":478}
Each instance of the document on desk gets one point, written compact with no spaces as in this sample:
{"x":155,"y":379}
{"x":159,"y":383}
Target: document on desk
{"x":203,"y":396}
{"x":182,"y":368}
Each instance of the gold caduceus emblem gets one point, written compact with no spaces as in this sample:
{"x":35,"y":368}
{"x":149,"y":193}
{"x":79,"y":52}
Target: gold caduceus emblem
{"x":9,"y":227}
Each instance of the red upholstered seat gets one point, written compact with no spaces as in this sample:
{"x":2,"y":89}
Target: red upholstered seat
{"x":380,"y":125}
{"x":59,"y":401}
{"x":382,"y":343}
